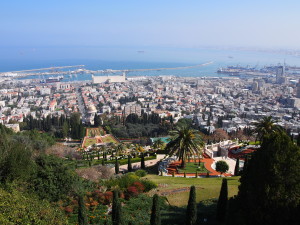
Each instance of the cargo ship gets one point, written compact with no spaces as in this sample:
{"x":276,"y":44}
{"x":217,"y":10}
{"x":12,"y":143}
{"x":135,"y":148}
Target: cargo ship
{"x":52,"y":79}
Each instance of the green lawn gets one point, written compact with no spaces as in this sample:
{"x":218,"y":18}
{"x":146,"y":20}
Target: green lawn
{"x":108,"y":139}
{"x":193,"y":167}
{"x":254,"y":142}
{"x":89,"y":141}
{"x":206,"y":188}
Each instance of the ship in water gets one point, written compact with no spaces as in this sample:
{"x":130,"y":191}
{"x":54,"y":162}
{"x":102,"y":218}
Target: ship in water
{"x":52,"y":79}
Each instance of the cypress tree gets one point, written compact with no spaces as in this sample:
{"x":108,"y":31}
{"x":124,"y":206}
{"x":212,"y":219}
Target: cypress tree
{"x":143,"y":162}
{"x":116,"y":209}
{"x":82,"y":218}
{"x":269,"y":189}
{"x":191,"y":211}
{"x":155,"y":213}
{"x":116,"y":166}
{"x":237,"y":167}
{"x":222,"y":201}
{"x":129,"y":164}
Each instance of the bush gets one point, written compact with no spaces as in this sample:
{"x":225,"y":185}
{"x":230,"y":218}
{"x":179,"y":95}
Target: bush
{"x":148,"y":184}
{"x":22,"y":208}
{"x":141,"y":173}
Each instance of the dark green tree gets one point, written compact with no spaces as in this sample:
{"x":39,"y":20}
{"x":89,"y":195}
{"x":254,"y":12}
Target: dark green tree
{"x":143,"y":161}
{"x":97,"y":120}
{"x":237,"y":167}
{"x":222,"y":167}
{"x":191,"y":211}
{"x":116,"y":209}
{"x":155,"y":213}
{"x":270,"y":184}
{"x":117,"y":168}
{"x":129,"y":167}
{"x":82,"y":217}
{"x":52,"y":180}
{"x":222,"y":201}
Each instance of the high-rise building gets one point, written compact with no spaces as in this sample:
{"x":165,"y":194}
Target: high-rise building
{"x":280,"y":75}
{"x":298,"y":90}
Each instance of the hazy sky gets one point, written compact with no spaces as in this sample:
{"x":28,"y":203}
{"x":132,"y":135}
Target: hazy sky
{"x":167,"y":23}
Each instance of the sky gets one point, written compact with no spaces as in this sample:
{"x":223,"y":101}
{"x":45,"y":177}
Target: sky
{"x":146,"y":24}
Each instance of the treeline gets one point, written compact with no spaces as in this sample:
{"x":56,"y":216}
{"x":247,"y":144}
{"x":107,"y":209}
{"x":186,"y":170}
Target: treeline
{"x":124,"y":100}
{"x":58,"y":126}
{"x":144,"y":119}
{"x":145,"y":126}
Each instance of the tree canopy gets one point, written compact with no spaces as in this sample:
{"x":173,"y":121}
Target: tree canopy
{"x":185,"y":142}
{"x":270,"y":184}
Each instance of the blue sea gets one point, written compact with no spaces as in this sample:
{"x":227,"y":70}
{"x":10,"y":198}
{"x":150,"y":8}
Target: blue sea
{"x":139,"y":58}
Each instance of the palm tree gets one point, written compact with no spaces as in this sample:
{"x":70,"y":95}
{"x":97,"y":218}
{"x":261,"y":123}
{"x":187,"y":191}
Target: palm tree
{"x":119,"y":148}
{"x":185,"y":142}
{"x":265,"y":126}
{"x":158,"y":144}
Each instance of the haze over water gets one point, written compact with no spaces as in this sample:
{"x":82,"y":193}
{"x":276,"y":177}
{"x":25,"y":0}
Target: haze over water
{"x":100,"y":58}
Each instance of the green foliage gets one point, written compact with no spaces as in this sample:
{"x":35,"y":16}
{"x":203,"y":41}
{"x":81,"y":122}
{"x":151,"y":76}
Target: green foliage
{"x":222,"y":202}
{"x":148,"y":184}
{"x":237,"y":167}
{"x":129,"y":167}
{"x":52,"y":179}
{"x":143,"y":162}
{"x":191,"y":211}
{"x":270,"y":184}
{"x":155,"y":212}
{"x":20,"y":208}
{"x":137,"y":210}
{"x":15,"y":162}
{"x":140,"y":173}
{"x":222,"y":167}
{"x":123,"y":182}
{"x":82,"y":218}
{"x":185,"y":141}
{"x":117,"y":167}
{"x":116,"y":209}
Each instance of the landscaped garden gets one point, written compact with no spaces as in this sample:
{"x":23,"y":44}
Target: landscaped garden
{"x":89,"y":141}
{"x":108,"y":139}
{"x":207,"y":188}
{"x":192,"y":167}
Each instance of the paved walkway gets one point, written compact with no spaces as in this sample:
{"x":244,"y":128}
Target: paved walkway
{"x":137,"y":165}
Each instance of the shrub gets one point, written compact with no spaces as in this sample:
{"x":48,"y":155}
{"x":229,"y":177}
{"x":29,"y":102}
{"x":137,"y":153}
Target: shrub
{"x":148,"y":184}
{"x":141,"y":173}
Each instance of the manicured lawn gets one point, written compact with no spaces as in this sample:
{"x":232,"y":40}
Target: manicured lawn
{"x":108,"y":139}
{"x":192,"y":167}
{"x":89,"y":141}
{"x":206,"y":188}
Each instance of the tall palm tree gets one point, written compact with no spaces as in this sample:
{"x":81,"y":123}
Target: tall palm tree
{"x":186,"y":142}
{"x":119,"y":148}
{"x":265,"y":126}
